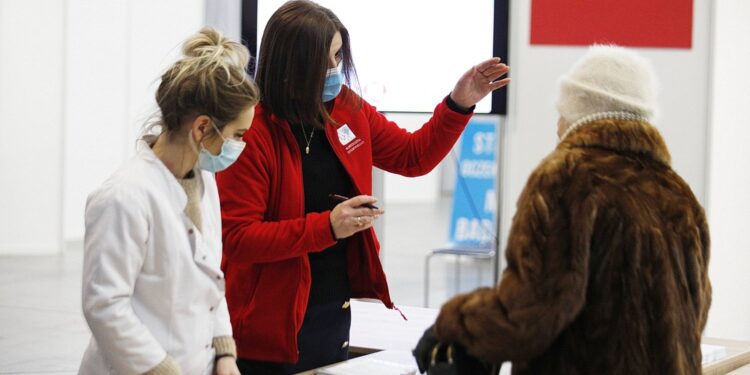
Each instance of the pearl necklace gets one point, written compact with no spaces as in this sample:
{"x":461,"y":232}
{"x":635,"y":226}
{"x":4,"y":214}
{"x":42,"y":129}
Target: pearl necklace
{"x":615,"y":115}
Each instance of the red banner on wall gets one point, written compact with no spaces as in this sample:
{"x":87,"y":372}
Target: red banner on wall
{"x":635,"y":23}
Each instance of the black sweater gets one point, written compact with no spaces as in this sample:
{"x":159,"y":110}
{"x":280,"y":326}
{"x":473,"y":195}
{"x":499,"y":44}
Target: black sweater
{"x":323,"y":174}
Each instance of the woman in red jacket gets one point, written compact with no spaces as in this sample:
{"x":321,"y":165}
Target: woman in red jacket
{"x":292,"y":256}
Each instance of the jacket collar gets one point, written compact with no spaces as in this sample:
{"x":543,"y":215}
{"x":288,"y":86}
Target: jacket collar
{"x":337,"y":109}
{"x":633,"y":136}
{"x":175,"y":192}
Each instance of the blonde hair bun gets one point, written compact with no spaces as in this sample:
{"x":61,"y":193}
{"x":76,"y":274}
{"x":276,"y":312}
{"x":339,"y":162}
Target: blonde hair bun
{"x":209,"y":79}
{"x":216,"y":50}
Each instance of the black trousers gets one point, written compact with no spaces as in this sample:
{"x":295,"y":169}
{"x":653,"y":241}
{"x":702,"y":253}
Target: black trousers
{"x":322,"y":340}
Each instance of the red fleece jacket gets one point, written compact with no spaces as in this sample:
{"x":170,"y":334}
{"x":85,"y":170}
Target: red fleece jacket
{"x":267,"y":235}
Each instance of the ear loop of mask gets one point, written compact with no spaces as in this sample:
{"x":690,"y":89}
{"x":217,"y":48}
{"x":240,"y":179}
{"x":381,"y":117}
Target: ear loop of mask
{"x":198,"y":146}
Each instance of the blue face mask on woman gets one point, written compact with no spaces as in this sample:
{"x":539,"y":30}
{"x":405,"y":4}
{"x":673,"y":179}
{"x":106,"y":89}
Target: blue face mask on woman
{"x":332,"y":86}
{"x":230,"y":151}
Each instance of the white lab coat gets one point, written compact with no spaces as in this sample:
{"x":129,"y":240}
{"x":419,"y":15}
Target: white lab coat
{"x":152,"y":283}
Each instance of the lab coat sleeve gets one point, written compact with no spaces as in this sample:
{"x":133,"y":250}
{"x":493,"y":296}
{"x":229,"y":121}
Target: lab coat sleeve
{"x":114,"y":251}
{"x":222,"y":325}
{"x":223,"y":342}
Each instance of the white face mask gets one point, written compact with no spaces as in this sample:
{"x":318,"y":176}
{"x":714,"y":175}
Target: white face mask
{"x":230,"y":151}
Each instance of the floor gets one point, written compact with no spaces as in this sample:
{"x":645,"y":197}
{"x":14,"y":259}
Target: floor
{"x":42,"y":330}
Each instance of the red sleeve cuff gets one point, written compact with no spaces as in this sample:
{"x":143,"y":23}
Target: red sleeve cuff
{"x":323,"y":233}
{"x":450,"y":117}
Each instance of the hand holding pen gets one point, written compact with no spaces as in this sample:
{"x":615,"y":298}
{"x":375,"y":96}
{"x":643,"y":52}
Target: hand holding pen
{"x":352,"y":215}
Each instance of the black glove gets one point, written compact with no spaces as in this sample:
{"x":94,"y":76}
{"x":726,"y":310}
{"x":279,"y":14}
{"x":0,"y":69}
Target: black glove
{"x":423,"y":351}
{"x":463,"y":362}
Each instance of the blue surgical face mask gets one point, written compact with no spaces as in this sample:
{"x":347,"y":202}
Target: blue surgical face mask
{"x":230,"y":151}
{"x":332,"y":86}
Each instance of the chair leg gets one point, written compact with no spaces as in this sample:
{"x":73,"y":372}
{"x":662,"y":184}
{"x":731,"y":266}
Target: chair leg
{"x":479,"y":273}
{"x":458,"y":273}
{"x":427,"y":279}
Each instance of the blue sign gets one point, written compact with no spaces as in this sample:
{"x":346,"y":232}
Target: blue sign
{"x":474,"y":199}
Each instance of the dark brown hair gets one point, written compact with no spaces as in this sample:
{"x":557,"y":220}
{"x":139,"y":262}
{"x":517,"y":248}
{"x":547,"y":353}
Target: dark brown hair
{"x":209,"y":80}
{"x":293,"y":61}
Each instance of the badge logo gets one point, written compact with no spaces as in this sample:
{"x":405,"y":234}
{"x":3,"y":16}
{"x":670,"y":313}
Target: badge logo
{"x":346,"y":134}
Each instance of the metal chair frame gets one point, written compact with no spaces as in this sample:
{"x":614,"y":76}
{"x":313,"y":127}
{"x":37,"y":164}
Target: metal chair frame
{"x":476,"y":252}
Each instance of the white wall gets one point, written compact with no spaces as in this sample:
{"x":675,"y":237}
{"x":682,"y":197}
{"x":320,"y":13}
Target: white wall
{"x":422,"y":189}
{"x":225,"y":16}
{"x":77,"y":79}
{"x":116,"y":51}
{"x":532,"y":116}
{"x":729,"y":177}
{"x":31,"y":113}
{"x":157,"y":30}
{"x":97,"y":95}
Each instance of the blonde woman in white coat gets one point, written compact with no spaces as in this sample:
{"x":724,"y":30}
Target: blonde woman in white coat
{"x":153,"y":291}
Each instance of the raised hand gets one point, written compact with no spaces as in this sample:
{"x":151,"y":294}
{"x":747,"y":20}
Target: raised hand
{"x":479,"y":81}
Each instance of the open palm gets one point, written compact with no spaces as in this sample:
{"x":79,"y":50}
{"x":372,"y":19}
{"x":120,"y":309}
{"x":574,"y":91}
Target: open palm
{"x":479,"y":81}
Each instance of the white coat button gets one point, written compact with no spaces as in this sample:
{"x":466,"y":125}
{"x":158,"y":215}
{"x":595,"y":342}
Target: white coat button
{"x":211,"y":309}
{"x":345,"y":344}
{"x":190,"y":231}
{"x":208,"y":346}
{"x":218,"y":277}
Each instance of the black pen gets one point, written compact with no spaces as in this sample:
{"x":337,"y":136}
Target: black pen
{"x":340,"y":198}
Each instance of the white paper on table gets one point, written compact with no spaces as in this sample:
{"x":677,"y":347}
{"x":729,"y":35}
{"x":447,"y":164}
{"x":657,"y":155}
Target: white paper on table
{"x":369,"y":366}
{"x":713,"y":353}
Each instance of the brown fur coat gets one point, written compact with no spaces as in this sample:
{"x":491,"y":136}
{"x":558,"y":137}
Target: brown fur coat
{"x":607,"y":265}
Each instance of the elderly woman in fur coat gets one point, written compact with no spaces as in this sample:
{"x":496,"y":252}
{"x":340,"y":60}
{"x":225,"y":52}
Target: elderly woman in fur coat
{"x":608,"y":251}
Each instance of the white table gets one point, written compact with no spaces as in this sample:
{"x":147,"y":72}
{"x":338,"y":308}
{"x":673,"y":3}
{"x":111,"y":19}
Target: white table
{"x":738,"y":355}
{"x":383,"y":334}
{"x":744,"y":370}
{"x":395,"y":356}
{"x":376,"y":328}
